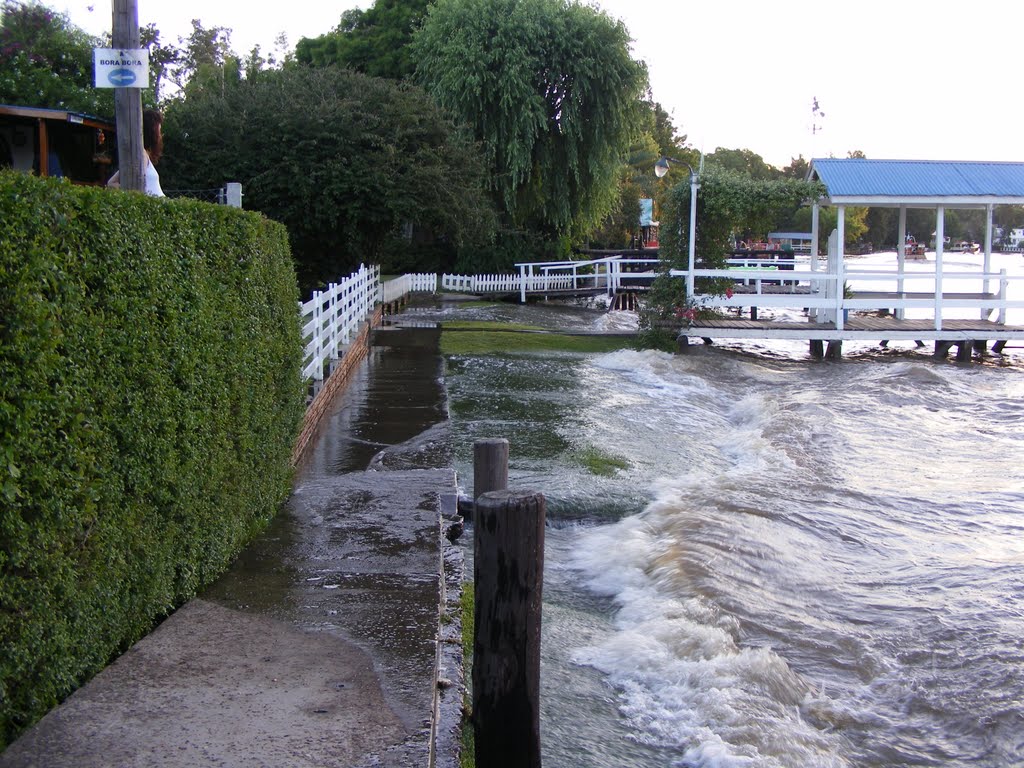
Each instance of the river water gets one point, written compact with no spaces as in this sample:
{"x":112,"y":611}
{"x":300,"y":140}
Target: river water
{"x":803,"y":564}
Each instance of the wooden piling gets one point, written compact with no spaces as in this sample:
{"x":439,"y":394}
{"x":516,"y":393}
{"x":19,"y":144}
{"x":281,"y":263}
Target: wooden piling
{"x":998,"y":346}
{"x":490,"y":465}
{"x":963,"y":351}
{"x":834,"y":350}
{"x":508,"y":572}
{"x":817,"y":349}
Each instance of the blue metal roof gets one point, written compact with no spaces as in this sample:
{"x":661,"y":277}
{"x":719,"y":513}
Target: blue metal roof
{"x":859,"y":178}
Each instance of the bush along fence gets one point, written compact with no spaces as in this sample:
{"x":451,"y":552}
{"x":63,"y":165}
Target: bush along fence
{"x":150,"y":398}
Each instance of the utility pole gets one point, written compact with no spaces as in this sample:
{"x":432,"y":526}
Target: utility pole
{"x":128,"y":101}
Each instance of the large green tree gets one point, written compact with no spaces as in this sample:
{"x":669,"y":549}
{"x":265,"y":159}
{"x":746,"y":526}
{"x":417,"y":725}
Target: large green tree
{"x":743,"y":161}
{"x":46,"y":61}
{"x":374,"y":41}
{"x":637,"y":179}
{"x":357,"y":168}
{"x":549,"y":89}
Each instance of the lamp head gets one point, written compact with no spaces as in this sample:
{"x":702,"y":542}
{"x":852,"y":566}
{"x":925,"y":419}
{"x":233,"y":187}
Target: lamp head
{"x":661,"y":167}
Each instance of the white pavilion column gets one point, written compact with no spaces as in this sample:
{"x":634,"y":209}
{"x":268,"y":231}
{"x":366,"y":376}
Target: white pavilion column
{"x":840,"y":265}
{"x":901,"y":258}
{"x":940,"y":235}
{"x":815,"y":312}
{"x":987,"y":264}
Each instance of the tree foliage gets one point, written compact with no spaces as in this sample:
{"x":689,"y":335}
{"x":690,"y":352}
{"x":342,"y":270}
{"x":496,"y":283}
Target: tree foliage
{"x":855,"y":222}
{"x":345,"y":161}
{"x":46,"y":61}
{"x":374,"y":41}
{"x":549,"y":89}
{"x":637,"y":179}
{"x":742,"y":161}
{"x":729,"y":204}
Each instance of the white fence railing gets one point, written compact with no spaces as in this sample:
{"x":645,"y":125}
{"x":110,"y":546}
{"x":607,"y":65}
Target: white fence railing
{"x":332,"y":317}
{"x":420,"y":282}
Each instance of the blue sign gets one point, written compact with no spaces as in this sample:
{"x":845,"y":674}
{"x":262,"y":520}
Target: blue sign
{"x":121,"y":77}
{"x":121,"y":67}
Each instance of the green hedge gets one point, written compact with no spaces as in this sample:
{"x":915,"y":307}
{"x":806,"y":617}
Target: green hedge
{"x":149,"y":398}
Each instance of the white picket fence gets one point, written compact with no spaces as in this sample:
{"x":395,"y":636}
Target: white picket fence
{"x":508,"y":283}
{"x":421,"y":282}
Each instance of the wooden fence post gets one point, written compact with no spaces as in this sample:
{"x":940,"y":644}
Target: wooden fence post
{"x":490,"y":466}
{"x":508,"y":571}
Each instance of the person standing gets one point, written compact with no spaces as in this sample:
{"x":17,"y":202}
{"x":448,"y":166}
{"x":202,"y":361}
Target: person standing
{"x":153,"y":143}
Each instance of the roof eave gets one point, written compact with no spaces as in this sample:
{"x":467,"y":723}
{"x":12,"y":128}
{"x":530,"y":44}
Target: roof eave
{"x":888,"y":201}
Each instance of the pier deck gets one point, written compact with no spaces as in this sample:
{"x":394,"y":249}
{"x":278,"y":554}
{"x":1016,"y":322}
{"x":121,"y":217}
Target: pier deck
{"x":969,"y":336}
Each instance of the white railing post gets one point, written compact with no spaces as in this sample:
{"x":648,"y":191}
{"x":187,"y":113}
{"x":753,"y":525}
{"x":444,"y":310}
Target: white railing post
{"x":233,"y":194}
{"x":318,"y":307}
{"x":1003,"y":282}
{"x":940,"y":233}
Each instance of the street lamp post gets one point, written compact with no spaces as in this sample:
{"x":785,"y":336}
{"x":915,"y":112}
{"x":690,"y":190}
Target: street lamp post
{"x":660,"y":169}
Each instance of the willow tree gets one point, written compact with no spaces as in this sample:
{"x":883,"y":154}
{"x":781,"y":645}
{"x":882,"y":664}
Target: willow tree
{"x":549,"y":90}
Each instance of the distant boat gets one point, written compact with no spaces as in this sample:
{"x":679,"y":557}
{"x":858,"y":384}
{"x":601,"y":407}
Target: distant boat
{"x":913,"y":248}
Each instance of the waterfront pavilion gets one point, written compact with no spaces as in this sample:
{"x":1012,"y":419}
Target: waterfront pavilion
{"x":929,"y":184}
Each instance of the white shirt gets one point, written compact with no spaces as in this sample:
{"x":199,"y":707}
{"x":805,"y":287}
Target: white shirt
{"x":152,"y":180}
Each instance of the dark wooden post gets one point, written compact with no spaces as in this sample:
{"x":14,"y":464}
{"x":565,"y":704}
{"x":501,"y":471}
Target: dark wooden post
{"x":508,"y":571}
{"x":490,"y":465}
{"x":128,"y":102}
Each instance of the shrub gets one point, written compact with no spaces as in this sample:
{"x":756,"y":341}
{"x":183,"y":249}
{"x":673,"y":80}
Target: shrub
{"x":149,"y":399}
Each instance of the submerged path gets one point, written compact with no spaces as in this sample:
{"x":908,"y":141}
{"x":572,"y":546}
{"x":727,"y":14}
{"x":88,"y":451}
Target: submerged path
{"x":320,"y":646}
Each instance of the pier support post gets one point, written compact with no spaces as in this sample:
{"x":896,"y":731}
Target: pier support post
{"x":963,"y":351}
{"x":980,"y":346}
{"x":817,"y":349}
{"x":834,"y":351}
{"x":942,"y":349}
{"x":998,"y":346}
{"x":683,"y":344}
{"x":508,"y":571}
{"x":490,"y":465}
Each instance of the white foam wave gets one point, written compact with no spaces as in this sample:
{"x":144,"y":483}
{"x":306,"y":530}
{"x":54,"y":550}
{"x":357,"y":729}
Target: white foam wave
{"x":684,"y":680}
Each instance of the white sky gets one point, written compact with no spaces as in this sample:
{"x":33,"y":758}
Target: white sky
{"x":913,"y":79}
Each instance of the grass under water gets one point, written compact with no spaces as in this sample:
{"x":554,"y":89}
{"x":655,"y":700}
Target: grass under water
{"x":481,"y":338}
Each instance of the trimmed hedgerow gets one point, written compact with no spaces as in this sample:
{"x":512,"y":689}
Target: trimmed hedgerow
{"x":149,"y":398}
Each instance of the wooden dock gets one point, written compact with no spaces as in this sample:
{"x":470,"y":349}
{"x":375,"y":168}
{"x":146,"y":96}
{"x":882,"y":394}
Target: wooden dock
{"x":967,"y":335}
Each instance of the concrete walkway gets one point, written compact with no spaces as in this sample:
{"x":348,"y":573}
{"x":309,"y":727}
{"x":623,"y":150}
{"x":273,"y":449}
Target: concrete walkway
{"x":324,"y":644}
